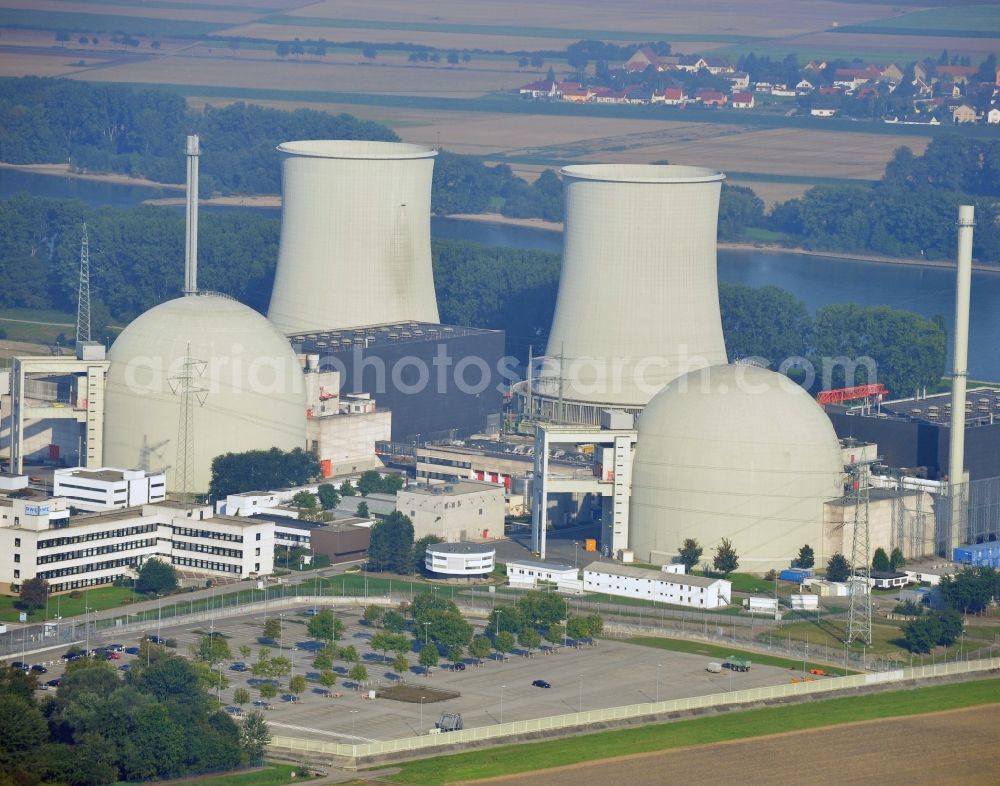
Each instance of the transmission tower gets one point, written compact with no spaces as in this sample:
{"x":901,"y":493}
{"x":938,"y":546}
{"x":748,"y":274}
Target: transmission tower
{"x":83,"y":295}
{"x":859,"y":619}
{"x":184,"y":385}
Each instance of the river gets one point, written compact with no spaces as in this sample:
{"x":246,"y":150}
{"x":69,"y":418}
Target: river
{"x":817,"y":281}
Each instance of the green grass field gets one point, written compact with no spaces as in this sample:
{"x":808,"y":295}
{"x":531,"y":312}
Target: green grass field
{"x":714,"y":651}
{"x":973,"y":21}
{"x":28,"y":324}
{"x":108,"y":23}
{"x":65,"y":606}
{"x":513,"y":31}
{"x":512,"y":759}
{"x":269,"y":775}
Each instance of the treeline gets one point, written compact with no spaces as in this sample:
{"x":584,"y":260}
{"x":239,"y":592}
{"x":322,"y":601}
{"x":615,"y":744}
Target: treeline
{"x":157,"y":722}
{"x":136,"y":262}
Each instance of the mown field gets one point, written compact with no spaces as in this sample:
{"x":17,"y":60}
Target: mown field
{"x":977,"y":21}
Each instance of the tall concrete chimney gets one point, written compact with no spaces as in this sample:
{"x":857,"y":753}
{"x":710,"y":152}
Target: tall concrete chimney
{"x":191,"y":223}
{"x":957,"y":478}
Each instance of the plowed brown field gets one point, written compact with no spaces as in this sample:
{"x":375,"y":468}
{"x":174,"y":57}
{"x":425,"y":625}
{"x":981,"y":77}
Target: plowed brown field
{"x":955,"y":747}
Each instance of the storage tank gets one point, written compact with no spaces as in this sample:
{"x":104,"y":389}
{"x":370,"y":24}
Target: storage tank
{"x":638,"y":301}
{"x":355,"y":236}
{"x":247,"y":383}
{"x":737,"y":452}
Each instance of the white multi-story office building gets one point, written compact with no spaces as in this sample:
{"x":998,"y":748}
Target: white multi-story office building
{"x":107,"y":488}
{"x":38,"y":538}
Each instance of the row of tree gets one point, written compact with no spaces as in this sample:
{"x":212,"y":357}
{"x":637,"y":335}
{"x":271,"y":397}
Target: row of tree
{"x":724,"y":561}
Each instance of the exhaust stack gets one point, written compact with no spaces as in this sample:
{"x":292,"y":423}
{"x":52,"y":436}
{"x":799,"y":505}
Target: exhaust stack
{"x":956,"y":454}
{"x":191,"y":222}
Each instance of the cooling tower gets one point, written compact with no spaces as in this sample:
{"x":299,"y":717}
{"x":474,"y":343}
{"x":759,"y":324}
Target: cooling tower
{"x":638,"y":301}
{"x":355,"y":236}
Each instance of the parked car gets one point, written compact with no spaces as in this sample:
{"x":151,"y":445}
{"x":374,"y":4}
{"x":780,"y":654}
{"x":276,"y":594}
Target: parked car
{"x":124,"y":667}
{"x":541,"y":684}
{"x":114,"y":655}
{"x":38,"y":668}
{"x":20,"y":665}
{"x":232,"y":709}
{"x":155,"y":639}
{"x":53,"y":683}
{"x":115,"y":648}
{"x":458,"y":667}
{"x":311,"y":612}
{"x":131,"y":650}
{"x":239,"y":667}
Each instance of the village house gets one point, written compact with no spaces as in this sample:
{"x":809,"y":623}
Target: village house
{"x":711,"y":97}
{"x":742,"y":100}
{"x":671,"y":96}
{"x":546,"y":88}
{"x":993,"y":116}
{"x":963,"y":114}
{"x":738,"y":80}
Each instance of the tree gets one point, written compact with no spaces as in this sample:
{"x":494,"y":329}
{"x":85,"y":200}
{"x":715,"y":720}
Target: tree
{"x":272,"y":629}
{"x":156,"y":576}
{"x":324,"y":658}
{"x":358,"y":673}
{"x":554,"y":634}
{"x":327,"y":679}
{"x":880,"y":560}
{"x":234,"y":45}
{"x":362,"y":510}
{"x":267,"y":690}
{"x":328,"y":495}
{"x":806,"y":558}
{"x":393,"y":621}
{"x":537,"y":61}
{"x":373,"y":614}
{"x":246,"y":651}
{"x":241,"y":696}
{"x":211,"y":650}
{"x":504,"y":642}
{"x":920,"y":634}
{"x":325,"y":626}
{"x":896,"y":559}
{"x":369,"y":51}
{"x":347,"y":490}
{"x":233,"y":473}
{"x":453,"y":58}
{"x":391,"y":545}
{"x":255,"y":736}
{"x":577,"y":628}
{"x":420,"y":550}
{"x":690,"y":553}
{"x":725,"y":560}
{"x":466,"y":57}
{"x":34,"y":593}
{"x":429,"y":657}
{"x":349,"y":654}
{"x":280,"y":667}
{"x":62,"y":37}
{"x":480,"y":647}
{"x":297,"y":685}
{"x":522,"y":62}
{"x":838,"y":568}
{"x":306,"y":504}
{"x":529,"y":639}
{"x":400,"y":664}
{"x":282,"y":49}
{"x":595,"y":625}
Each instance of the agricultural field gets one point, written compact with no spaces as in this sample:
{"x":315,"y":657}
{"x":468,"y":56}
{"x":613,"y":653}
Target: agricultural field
{"x":969,"y":20}
{"x":949,"y":742}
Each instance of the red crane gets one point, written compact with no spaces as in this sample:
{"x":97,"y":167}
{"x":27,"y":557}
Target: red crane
{"x":840,"y":395}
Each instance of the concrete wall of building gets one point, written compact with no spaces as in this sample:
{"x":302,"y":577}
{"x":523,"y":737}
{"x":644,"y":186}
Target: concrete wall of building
{"x":341,"y":544}
{"x":348,"y":441}
{"x":906,"y":522}
{"x":454,"y":517}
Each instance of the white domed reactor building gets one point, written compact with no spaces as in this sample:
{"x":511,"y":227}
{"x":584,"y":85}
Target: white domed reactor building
{"x":737,"y":452}
{"x":355,"y":236}
{"x":246,"y":384}
{"x":638,"y":301}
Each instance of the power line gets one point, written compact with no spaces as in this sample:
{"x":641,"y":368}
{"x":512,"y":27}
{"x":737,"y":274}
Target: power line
{"x":83,"y":293}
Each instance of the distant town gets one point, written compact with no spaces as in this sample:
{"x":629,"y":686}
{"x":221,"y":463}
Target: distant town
{"x":933,"y":91}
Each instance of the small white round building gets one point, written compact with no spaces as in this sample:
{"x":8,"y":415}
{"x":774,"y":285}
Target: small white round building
{"x":737,"y":452}
{"x":460,"y":560}
{"x":355,"y":236}
{"x":246,"y":383}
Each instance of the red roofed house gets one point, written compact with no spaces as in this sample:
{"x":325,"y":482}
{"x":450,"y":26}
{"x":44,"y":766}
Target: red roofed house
{"x":711,"y":97}
{"x":960,"y":75}
{"x":742,"y":100}
{"x":670,"y":96}
{"x":643,"y":59}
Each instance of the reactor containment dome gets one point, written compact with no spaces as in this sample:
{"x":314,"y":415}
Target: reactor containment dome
{"x":355,"y":243}
{"x":638,"y":301}
{"x":243,"y":379}
{"x":737,"y":452}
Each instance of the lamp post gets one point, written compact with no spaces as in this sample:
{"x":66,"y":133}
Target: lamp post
{"x":421,"y":715}
{"x":658,"y":667}
{"x":576,"y":553}
{"x":581,"y":693}
{"x":499,"y":612}
{"x":425,"y":633}
{"x":354,"y":714}
{"x":159,"y":614}
{"x":501,"y":702}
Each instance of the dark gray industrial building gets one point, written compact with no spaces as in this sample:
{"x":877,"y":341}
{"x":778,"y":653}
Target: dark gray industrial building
{"x":915,"y":433}
{"x":439,"y":381}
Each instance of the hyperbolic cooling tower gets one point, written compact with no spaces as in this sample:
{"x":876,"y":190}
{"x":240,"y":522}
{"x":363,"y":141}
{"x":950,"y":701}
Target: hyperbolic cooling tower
{"x":638,"y":300}
{"x":355,"y":236}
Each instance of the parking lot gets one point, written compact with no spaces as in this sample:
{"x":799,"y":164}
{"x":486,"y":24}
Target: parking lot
{"x":590,"y":677}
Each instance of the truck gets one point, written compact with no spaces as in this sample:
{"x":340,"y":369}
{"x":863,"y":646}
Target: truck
{"x":450,"y":721}
{"x":736,"y":663}
{"x":714,"y":668}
